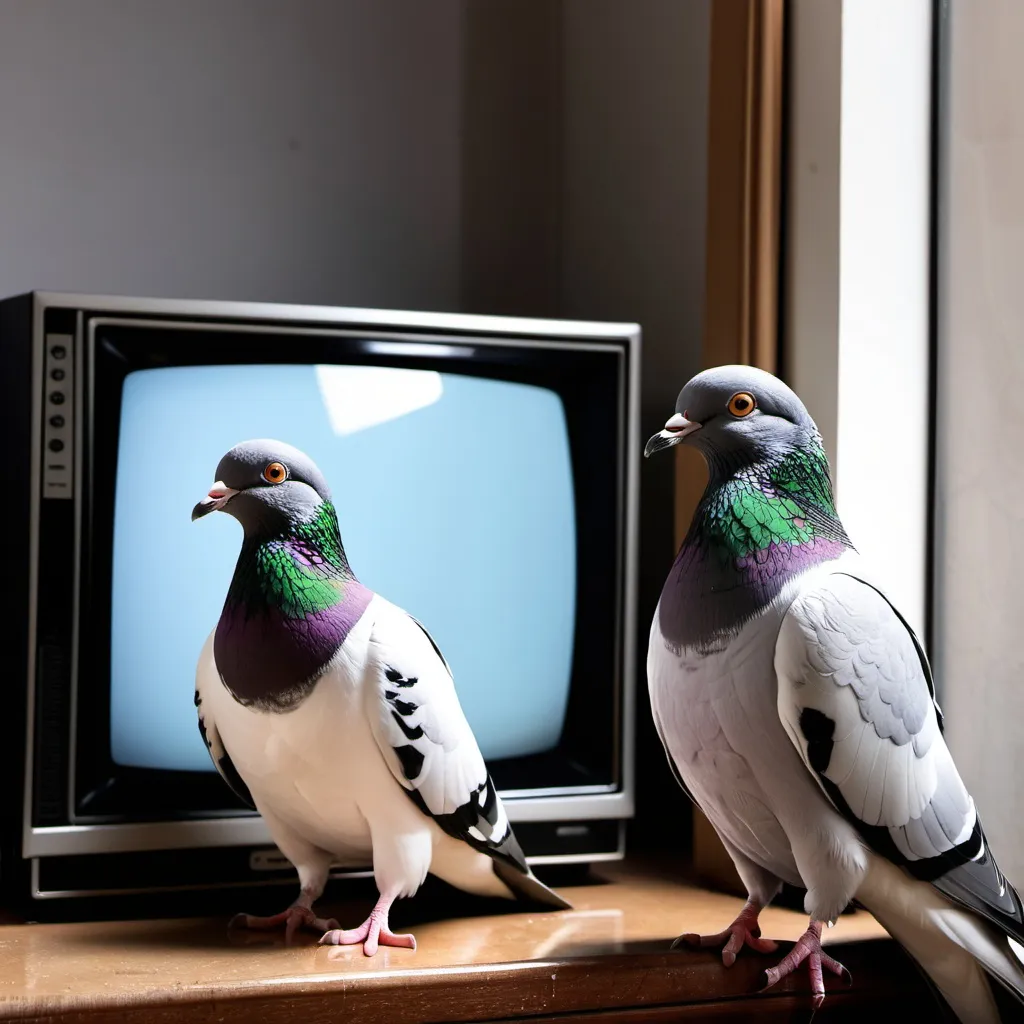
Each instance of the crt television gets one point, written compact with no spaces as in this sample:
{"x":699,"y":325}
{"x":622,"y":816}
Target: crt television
{"x":484,"y":471}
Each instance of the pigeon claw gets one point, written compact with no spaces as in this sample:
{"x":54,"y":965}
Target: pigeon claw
{"x":371,"y":934}
{"x":293,"y":919}
{"x":808,"y":947}
{"x":744,"y":931}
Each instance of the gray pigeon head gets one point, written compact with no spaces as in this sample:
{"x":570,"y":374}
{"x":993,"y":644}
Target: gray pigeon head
{"x":736,"y":414}
{"x":265,"y":483}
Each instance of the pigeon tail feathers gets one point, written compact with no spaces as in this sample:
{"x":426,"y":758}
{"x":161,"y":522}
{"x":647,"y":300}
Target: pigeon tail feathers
{"x":961,"y":952}
{"x":528,"y":887}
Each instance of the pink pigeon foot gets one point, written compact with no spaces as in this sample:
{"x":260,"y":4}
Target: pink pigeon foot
{"x":293,"y":918}
{"x":372,"y":932}
{"x":744,"y":931}
{"x":808,"y":948}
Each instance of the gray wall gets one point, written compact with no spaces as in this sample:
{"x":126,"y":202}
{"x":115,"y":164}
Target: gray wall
{"x":289,"y":150}
{"x":979,"y":660}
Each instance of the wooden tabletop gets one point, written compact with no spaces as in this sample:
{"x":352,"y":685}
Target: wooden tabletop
{"x":610,"y":952}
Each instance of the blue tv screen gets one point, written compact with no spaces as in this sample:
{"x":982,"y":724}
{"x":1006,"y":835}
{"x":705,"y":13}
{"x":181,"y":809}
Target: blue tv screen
{"x":455,"y":499}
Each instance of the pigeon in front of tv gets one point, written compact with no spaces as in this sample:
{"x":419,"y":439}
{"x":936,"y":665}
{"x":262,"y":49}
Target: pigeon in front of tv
{"x":334,"y":714}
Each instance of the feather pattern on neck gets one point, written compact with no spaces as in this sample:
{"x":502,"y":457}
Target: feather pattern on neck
{"x":292,"y":602}
{"x":758,"y":525}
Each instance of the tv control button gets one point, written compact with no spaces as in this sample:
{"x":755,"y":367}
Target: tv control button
{"x":57,"y":397}
{"x":57,"y":374}
{"x":56,"y":445}
{"x":57,"y":421}
{"x":58,"y":351}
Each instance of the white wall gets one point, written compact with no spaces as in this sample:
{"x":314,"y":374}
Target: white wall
{"x":857,"y":265}
{"x":290,"y":150}
{"x":978,"y":654}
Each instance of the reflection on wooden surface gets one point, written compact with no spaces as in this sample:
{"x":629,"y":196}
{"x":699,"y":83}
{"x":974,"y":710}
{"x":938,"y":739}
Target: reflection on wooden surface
{"x":611,"y":950}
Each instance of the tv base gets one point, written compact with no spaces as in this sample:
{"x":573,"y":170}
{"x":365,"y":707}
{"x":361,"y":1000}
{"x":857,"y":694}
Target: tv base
{"x":50,"y":885}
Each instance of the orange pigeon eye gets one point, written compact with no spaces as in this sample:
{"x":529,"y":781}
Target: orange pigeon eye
{"x":742,"y":404}
{"x":275,"y":473}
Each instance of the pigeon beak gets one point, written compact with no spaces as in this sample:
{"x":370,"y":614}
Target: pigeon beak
{"x":677,"y":427}
{"x":220,"y":494}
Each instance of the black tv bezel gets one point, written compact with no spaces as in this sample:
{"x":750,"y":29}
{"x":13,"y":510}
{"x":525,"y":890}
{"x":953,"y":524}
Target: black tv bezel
{"x":592,"y":380}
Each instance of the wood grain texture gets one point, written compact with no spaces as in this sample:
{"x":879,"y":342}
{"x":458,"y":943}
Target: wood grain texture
{"x":610,"y":953}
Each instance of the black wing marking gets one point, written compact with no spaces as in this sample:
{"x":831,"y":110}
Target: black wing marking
{"x":220,"y":757}
{"x":967,"y":873}
{"x":480,"y":820}
{"x":427,"y":743}
{"x":481,"y":823}
{"x":856,"y":687}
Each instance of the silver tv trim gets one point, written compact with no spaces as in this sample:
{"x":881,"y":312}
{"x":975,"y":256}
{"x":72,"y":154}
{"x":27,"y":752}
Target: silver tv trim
{"x":80,"y":511}
{"x":251,"y":830}
{"x":563,"y":804}
{"x":337,"y":872}
{"x":351,"y":316}
{"x":35,"y":497}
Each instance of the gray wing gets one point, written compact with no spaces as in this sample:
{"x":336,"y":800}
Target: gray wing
{"x":856,"y":698}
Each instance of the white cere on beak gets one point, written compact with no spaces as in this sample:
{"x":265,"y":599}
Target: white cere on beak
{"x":217,"y":497}
{"x":220,"y":494}
{"x":678,"y":426}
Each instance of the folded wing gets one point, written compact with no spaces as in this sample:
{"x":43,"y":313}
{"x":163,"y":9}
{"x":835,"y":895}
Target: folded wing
{"x":856,"y":698}
{"x":422,"y":732}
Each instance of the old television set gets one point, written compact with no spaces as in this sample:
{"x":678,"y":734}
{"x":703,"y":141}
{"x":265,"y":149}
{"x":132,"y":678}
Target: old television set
{"x":484,"y":472}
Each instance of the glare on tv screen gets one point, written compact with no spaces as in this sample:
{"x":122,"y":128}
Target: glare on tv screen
{"x":455,"y":499}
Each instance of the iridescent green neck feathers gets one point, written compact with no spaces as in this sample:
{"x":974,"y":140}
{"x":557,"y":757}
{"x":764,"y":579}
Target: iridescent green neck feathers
{"x":783,"y":501}
{"x":757,"y":527}
{"x":300,"y":571}
{"x":292,"y":603}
